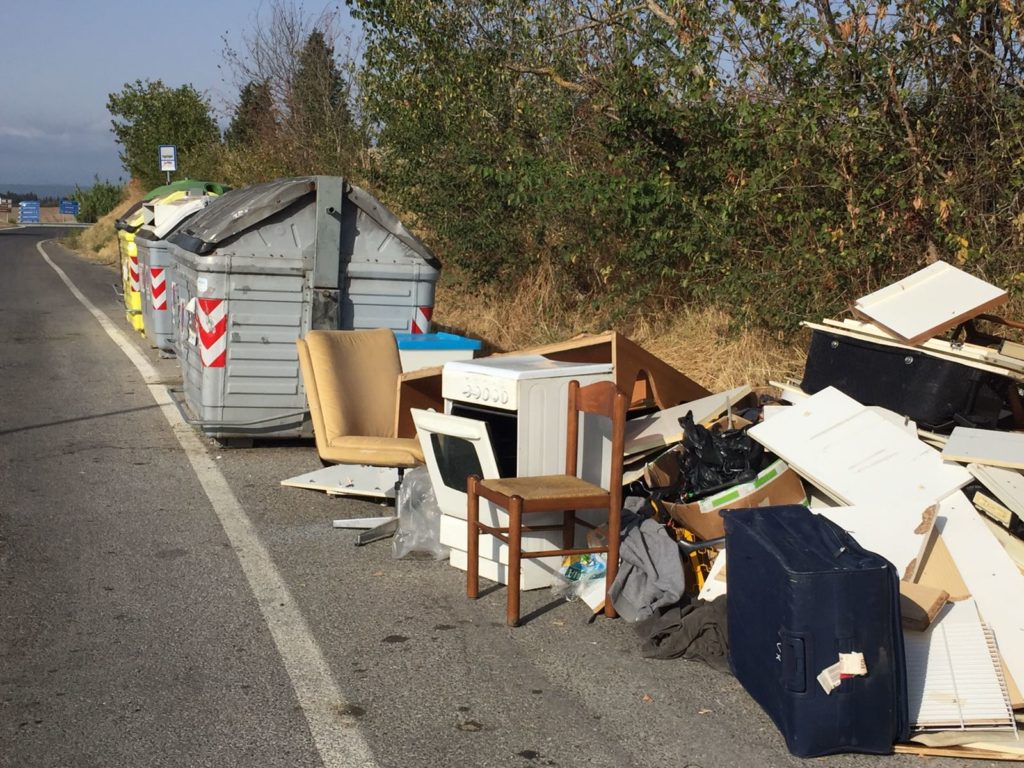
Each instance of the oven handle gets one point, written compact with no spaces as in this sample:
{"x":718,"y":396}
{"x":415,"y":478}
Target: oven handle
{"x":432,"y":421}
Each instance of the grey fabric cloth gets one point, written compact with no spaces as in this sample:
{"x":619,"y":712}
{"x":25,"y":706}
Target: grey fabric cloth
{"x":698,"y":631}
{"x":650,"y":573}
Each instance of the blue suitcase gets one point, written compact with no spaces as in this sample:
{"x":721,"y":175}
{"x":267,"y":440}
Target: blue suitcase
{"x":802,"y":591}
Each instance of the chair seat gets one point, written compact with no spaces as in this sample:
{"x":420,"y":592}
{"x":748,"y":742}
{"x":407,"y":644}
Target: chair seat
{"x":375,"y":451}
{"x":543,"y":487}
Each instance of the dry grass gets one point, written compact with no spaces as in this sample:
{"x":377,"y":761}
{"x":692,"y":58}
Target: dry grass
{"x":98,"y":243}
{"x":696,"y":340}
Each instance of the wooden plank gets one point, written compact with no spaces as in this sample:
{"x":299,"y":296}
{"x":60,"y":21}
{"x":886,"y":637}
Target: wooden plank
{"x":993,"y":509}
{"x":930,"y":301}
{"x":856,"y":456}
{"x":940,"y":572}
{"x":660,"y":429}
{"x":992,"y":577}
{"x":1014,"y":547}
{"x":899,"y":534}
{"x":967,"y":753}
{"x":990,"y":447}
{"x":1012,"y":349}
{"x":1006,"y":484}
{"x":348,"y":480}
{"x":919,"y":605}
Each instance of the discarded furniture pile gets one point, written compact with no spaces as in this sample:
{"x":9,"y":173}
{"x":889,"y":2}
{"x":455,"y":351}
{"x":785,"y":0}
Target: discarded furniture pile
{"x":849,"y":546}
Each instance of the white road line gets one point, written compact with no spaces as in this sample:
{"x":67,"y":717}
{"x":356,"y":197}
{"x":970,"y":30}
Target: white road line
{"x":336,"y":735}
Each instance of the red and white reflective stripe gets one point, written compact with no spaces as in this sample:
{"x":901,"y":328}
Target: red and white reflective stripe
{"x":158,"y":284}
{"x":421,"y":319}
{"x":212,"y":328}
{"x":133,"y":272}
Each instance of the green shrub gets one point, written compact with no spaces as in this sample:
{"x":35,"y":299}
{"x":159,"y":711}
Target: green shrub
{"x":97,"y":200}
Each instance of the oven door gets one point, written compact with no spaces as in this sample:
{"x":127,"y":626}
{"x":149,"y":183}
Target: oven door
{"x":454,"y":448}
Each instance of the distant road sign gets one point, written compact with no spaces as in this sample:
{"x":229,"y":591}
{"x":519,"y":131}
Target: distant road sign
{"x":69,"y":207}
{"x":168,"y":158}
{"x":28,"y":212}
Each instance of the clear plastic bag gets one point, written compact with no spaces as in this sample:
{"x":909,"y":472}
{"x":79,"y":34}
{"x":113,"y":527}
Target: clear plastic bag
{"x":578,"y":573}
{"x":419,"y":517}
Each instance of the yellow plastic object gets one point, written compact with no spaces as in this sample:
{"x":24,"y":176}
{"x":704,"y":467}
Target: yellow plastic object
{"x":131,"y":278}
{"x":130,"y":273}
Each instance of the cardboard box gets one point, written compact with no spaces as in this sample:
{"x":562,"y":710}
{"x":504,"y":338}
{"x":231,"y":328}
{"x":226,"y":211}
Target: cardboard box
{"x":775,"y":485}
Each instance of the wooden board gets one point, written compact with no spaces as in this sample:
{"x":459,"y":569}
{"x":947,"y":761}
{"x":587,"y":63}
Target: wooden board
{"x":899,"y":534}
{"x":856,"y":456}
{"x":990,"y":574}
{"x":1014,"y":547}
{"x":1006,"y":484}
{"x":1012,"y":349}
{"x":966,"y":753}
{"x":661,"y":429}
{"x":993,"y":509}
{"x":919,"y":605}
{"x":940,"y":572}
{"x":349,"y":480}
{"x":930,"y":301}
{"x":989,"y":447}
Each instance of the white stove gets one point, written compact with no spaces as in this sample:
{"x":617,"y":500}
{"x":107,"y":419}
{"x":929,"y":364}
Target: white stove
{"x":498,"y":382}
{"x":524,"y":399}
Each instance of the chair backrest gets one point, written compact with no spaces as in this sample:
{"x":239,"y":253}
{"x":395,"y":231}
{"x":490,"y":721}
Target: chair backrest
{"x":603,"y":398}
{"x":350,"y":379}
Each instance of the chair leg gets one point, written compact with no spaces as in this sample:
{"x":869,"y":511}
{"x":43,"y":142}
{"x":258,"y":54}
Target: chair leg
{"x":515,"y":548}
{"x":472,"y":539}
{"x":612,"y":566}
{"x":569,"y":529}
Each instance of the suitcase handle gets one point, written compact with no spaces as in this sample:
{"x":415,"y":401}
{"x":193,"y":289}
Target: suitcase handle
{"x":794,"y":662}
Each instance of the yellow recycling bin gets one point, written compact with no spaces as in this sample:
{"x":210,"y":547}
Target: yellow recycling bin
{"x":129,"y":224}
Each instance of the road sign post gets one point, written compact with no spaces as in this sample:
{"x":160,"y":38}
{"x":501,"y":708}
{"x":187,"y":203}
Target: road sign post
{"x":69,"y":208}
{"x":168,"y":155}
{"x":28,"y":212}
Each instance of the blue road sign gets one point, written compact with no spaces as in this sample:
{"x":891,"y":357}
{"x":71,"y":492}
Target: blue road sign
{"x":69,"y":207}
{"x":28,"y":212}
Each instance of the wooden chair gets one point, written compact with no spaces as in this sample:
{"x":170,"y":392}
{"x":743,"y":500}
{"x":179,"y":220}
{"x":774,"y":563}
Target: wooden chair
{"x":351,"y":380}
{"x":567,"y":493}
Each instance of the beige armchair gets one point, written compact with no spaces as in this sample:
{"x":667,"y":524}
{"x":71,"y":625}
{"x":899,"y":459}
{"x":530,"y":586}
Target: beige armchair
{"x":351,"y":380}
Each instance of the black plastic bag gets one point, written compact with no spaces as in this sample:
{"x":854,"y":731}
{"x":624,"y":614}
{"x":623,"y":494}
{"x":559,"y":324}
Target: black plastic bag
{"x":715,"y":459}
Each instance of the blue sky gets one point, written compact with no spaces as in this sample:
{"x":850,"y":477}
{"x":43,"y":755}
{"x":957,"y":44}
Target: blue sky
{"x":61,"y":58}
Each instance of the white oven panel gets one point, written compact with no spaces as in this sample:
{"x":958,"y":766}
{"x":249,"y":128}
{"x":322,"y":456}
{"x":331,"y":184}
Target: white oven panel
{"x":480,"y":390}
{"x":536,"y":390}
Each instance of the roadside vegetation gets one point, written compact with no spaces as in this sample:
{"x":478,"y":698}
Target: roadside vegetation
{"x":680,"y":170}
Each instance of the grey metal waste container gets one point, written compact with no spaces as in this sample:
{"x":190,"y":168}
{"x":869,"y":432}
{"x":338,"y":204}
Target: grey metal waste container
{"x":154,"y":257}
{"x":261,"y":266}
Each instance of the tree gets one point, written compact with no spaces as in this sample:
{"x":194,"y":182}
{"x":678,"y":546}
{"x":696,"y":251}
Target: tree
{"x":292,"y":58}
{"x":254,"y":118}
{"x":318,"y":113}
{"x":772,"y":156}
{"x":149,"y":113}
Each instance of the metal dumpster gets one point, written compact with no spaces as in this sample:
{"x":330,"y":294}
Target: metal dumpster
{"x":128,"y":226}
{"x":154,"y":260}
{"x":261,"y":266}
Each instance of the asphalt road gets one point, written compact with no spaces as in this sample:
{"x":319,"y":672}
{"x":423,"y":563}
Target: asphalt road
{"x":161,"y":607}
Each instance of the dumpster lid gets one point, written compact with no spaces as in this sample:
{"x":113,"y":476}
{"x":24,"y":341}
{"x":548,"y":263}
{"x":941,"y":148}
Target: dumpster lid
{"x":240,"y":210}
{"x":185,"y":185}
{"x":373,"y":208}
{"x":131,"y":219}
{"x":164,"y":218}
